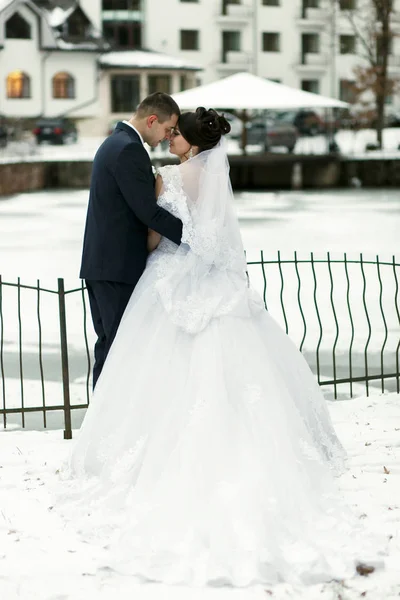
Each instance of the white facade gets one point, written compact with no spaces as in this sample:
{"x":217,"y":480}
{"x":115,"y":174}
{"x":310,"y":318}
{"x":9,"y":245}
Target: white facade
{"x":320,"y":70}
{"x":40,"y":57}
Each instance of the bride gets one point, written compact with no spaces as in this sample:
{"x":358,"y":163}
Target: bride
{"x":207,"y":456}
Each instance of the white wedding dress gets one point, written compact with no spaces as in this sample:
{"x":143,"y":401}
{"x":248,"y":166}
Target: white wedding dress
{"x":207,"y":455}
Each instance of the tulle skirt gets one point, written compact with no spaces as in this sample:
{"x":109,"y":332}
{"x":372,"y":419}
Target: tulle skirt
{"x":210,"y":458}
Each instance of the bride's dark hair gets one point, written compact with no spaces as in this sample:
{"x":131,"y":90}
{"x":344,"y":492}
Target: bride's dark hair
{"x":203,"y":128}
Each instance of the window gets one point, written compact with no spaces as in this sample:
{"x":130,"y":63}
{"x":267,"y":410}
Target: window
{"x":311,"y":3}
{"x":310,"y":43}
{"x":231,"y":42}
{"x":347,"y":4}
{"x":183,"y":83}
{"x":78,"y":25}
{"x":271,"y":42}
{"x":63,"y":86}
{"x":17,"y":28}
{"x":310,"y":85}
{"x":18,"y":85}
{"x":125,"y":93}
{"x":123,"y":35}
{"x":270,"y":3}
{"x":347,"y":44}
{"x":189,"y":0}
{"x":159,"y":83}
{"x":225,"y":4}
{"x":189,"y":39}
{"x":121,"y":5}
{"x":347,"y":90}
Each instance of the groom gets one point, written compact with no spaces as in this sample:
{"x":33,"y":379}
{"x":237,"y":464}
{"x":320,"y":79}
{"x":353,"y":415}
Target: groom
{"x":122,"y":207}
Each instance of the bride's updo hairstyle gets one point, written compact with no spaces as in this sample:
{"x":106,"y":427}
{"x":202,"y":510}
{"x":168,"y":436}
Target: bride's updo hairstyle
{"x":203,"y":128}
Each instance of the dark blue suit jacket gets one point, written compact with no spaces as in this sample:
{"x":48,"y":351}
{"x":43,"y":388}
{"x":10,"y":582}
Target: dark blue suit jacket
{"x":122,"y":206}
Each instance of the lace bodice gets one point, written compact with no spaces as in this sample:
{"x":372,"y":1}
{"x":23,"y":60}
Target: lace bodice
{"x":173,"y":200}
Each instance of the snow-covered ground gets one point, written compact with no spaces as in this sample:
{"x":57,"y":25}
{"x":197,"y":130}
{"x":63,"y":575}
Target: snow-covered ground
{"x":41,"y":557}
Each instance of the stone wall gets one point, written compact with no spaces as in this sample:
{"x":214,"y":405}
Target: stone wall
{"x":22,"y":177}
{"x":247,"y":172}
{"x":30,"y":176}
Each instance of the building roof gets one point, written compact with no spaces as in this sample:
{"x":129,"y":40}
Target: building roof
{"x":145,"y":59}
{"x":5,"y":3}
{"x":56,"y":35}
{"x":57,"y":16}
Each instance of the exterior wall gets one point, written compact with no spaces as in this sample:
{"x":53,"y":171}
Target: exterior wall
{"x":106,"y":116}
{"x":83,"y":67}
{"x":92,"y":8}
{"x":164,"y":20}
{"x":40,"y":65}
{"x":23,"y":55}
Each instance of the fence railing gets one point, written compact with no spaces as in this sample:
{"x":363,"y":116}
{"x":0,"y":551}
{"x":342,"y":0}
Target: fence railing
{"x":342,"y":313}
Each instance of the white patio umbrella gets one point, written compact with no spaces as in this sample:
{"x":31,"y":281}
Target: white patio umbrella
{"x":246,"y":91}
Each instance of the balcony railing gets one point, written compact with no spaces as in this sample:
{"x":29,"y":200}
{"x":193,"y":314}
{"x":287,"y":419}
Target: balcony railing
{"x":233,"y":59}
{"x":122,"y":15}
{"x":235,"y":14}
{"x":313,"y":16}
{"x":313,"y":60}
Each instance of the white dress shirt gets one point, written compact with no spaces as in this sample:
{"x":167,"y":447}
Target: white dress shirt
{"x":134,"y":128}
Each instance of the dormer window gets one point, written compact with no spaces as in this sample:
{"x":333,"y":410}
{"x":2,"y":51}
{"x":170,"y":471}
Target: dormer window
{"x":17,"y":28}
{"x":78,"y":25}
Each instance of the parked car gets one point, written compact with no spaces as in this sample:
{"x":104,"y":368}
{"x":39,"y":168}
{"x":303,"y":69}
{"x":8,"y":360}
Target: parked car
{"x":308,"y":122}
{"x":3,"y":134}
{"x":271,"y":133}
{"x":235,"y":123}
{"x":55,"y":131}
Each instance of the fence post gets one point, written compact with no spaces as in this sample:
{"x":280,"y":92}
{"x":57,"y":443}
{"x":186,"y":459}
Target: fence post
{"x":64,"y":360}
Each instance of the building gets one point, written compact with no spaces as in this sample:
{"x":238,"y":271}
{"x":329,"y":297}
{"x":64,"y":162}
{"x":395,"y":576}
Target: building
{"x":48,"y":61}
{"x":126,"y":76}
{"x":56,"y":61}
{"x":93,"y":59}
{"x":308,"y":44}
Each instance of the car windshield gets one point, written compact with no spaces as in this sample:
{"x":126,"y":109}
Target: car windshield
{"x":49,"y":122}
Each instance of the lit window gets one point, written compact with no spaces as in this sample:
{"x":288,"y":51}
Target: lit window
{"x":63,"y":86}
{"x":18,"y":85}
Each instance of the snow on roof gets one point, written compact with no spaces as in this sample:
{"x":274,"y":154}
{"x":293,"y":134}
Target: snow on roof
{"x":83,"y":45}
{"x":5,"y":3}
{"x":244,"y":90}
{"x":58,"y":16}
{"x":145,"y":59}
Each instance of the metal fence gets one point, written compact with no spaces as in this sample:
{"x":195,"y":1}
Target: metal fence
{"x":342,"y":313}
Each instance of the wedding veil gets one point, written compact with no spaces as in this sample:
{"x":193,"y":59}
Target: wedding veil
{"x":207,"y":277}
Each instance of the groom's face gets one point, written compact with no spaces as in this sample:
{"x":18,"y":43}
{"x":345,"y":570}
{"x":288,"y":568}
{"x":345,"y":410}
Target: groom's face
{"x":157,"y":131}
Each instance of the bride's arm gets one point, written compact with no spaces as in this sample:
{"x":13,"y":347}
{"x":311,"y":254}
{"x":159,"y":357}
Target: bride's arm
{"x":153,"y":238}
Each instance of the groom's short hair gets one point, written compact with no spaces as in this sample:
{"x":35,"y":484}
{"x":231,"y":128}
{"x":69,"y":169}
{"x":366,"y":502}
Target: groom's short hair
{"x":159,"y":104}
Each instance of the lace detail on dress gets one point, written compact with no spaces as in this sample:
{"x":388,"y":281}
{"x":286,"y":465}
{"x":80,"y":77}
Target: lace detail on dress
{"x":204,"y":277}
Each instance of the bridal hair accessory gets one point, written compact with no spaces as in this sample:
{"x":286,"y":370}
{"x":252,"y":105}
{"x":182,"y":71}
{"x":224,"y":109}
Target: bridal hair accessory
{"x":203,"y":128}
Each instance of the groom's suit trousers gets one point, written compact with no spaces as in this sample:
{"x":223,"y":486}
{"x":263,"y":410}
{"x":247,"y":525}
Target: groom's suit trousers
{"x":108,"y":300}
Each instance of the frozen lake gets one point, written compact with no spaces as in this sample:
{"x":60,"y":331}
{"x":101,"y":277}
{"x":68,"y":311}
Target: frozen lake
{"x":41,"y":237}
{"x":41,"y":233}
